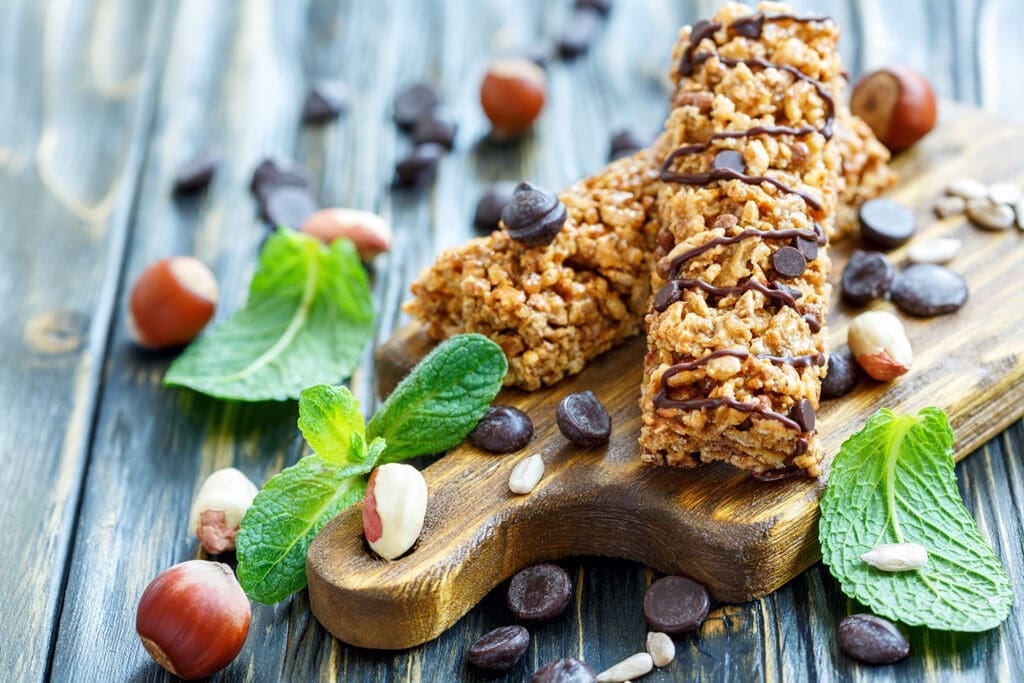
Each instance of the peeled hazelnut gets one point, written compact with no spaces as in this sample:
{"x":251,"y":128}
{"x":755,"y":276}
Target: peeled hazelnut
{"x":880,"y":345}
{"x":897,"y":103}
{"x":171,"y":302}
{"x":219,"y":508}
{"x":512,"y":95}
{"x":368,"y":231}
{"x":394,"y":509}
{"x":193,"y":618}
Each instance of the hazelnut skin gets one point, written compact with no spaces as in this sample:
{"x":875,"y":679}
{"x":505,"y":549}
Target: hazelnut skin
{"x":512,"y":95}
{"x":897,"y":103}
{"x":193,"y":618}
{"x":171,"y":302}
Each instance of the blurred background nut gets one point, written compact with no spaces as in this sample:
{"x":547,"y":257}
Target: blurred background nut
{"x":369,"y":232}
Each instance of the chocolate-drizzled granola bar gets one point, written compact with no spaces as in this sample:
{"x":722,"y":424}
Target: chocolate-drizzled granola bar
{"x":736,"y":339}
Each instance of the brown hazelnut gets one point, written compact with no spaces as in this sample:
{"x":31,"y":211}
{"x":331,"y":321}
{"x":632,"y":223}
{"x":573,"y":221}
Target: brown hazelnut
{"x":171,"y":302}
{"x":897,"y":103}
{"x":512,"y":95}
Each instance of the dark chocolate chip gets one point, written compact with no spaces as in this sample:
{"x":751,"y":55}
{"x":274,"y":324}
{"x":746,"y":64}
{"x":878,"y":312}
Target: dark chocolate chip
{"x":490,"y":205}
{"x":419,"y":165}
{"x":286,"y":193}
{"x":866,"y":277}
{"x":872,"y":640}
{"x":669,"y":293}
{"x":583,"y":420}
{"x":624,"y":143}
{"x":500,"y":649}
{"x":534,"y":217}
{"x":926,"y":289}
{"x":413,"y":103}
{"x":324,"y":102}
{"x":602,"y":6}
{"x":809,"y":248}
{"x":539,"y":593}
{"x":196,"y":173}
{"x":731,"y":159}
{"x":841,"y":377}
{"x":886,"y":224}
{"x":435,"y":128}
{"x":675,"y":605}
{"x":564,"y":670}
{"x":579,"y":32}
{"x":789,"y":263}
{"x":803,"y":414}
{"x":502,"y":429}
{"x":273,"y":173}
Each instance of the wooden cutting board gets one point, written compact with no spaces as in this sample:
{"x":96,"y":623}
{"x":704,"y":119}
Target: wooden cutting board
{"x":739,"y":537}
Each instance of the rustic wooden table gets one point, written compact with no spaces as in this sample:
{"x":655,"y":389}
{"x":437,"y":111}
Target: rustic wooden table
{"x":101,"y":100}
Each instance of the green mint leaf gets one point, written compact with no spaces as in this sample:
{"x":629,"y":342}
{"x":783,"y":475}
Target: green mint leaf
{"x":330,"y":420}
{"x":308,"y":317}
{"x":285,"y":516}
{"x":442,"y":399}
{"x":894,"y":482}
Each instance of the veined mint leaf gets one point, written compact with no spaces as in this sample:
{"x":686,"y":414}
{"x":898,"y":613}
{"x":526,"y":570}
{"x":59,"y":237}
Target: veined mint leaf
{"x":894,"y":482}
{"x":441,"y":399}
{"x":285,"y":516}
{"x":330,"y":420}
{"x":308,"y":317}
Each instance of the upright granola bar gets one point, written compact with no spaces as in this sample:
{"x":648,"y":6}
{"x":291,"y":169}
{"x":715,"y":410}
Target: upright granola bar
{"x":736,"y":342}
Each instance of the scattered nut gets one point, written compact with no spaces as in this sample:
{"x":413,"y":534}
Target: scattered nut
{"x":526,"y":474}
{"x":219,"y":508}
{"x":897,"y":103}
{"x":1019,"y":210}
{"x":880,"y":345}
{"x":1004,"y":193}
{"x":193,"y":618}
{"x":394,"y":509}
{"x":368,"y":231}
{"x":638,"y":665}
{"x":661,"y":648}
{"x":950,"y":205}
{"x":512,"y":95}
{"x":967,"y":188}
{"x":896,"y":557}
{"x":936,"y":250}
{"x":171,"y":302}
{"x":990,"y":216}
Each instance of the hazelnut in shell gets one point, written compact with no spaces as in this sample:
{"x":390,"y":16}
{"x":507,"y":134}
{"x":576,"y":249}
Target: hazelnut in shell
{"x":897,"y":103}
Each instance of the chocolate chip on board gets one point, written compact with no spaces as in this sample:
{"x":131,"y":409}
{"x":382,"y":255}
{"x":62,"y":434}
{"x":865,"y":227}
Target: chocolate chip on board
{"x":579,"y":32}
{"x":500,"y":649}
{"x":413,"y":103}
{"x":624,"y":143}
{"x":324,"y":102}
{"x":583,"y":420}
{"x":435,"y":128}
{"x":886,"y":224}
{"x":842,"y":375}
{"x":675,"y":605}
{"x":492,"y":202}
{"x":926,"y":289}
{"x":196,"y":173}
{"x":417,"y":167}
{"x":788,"y":262}
{"x":866,"y":277}
{"x":564,"y":670}
{"x":872,"y":640}
{"x":286,"y":193}
{"x":502,"y":429}
{"x":534,"y":217}
{"x":539,"y":593}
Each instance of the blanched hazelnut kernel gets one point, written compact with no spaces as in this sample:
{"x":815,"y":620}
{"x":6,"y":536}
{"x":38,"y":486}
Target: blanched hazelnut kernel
{"x":512,"y":95}
{"x":370,"y":233}
{"x":171,"y":302}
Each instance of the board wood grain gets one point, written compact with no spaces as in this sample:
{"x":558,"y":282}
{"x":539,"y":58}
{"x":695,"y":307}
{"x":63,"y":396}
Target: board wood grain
{"x":739,"y":537}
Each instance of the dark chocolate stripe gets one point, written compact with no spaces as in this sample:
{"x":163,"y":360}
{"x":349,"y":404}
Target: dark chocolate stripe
{"x":723,"y":173}
{"x":685,"y":256}
{"x":672,"y":291}
{"x":794,"y":361}
{"x":662,"y":401}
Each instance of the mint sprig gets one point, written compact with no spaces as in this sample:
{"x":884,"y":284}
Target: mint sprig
{"x":894,"y":482}
{"x":443,"y":398}
{"x":308,"y":317}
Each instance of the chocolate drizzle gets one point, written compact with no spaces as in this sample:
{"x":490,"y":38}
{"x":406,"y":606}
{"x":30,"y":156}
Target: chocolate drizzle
{"x":672,"y":291}
{"x":742,"y":354}
{"x":751,"y":26}
{"x":676,"y":263}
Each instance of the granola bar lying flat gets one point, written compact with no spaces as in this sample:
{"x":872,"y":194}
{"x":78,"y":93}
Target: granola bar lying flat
{"x":736,"y":343}
{"x":553,"y":308}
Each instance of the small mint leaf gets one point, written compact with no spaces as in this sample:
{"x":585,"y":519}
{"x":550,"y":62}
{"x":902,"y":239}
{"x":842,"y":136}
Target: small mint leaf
{"x":330,"y":420}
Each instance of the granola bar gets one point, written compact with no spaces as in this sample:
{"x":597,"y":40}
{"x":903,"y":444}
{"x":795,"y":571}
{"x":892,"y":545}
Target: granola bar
{"x":736,"y":339}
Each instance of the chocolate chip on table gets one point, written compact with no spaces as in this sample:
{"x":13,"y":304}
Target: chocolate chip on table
{"x":927,"y":289}
{"x":196,"y":173}
{"x":866,"y":277}
{"x":324,"y":102}
{"x":886,"y":224}
{"x":872,"y":640}
{"x":579,"y":32}
{"x":490,"y":205}
{"x":502,"y":429}
{"x":602,"y":6}
{"x":564,"y":670}
{"x":534,"y":217}
{"x":675,"y":605}
{"x":624,"y":143}
{"x":417,"y":167}
{"x":435,"y":128}
{"x":841,"y":377}
{"x":731,"y":159}
{"x":286,"y":193}
{"x":539,"y":593}
{"x":583,"y":420}
{"x":803,"y":414}
{"x":788,"y":262}
{"x":413,"y":103}
{"x":500,"y":649}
